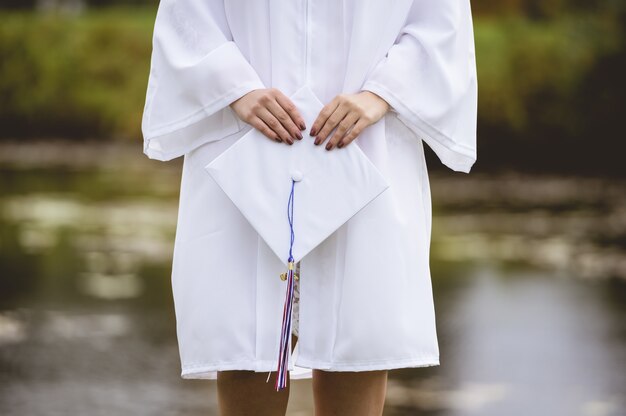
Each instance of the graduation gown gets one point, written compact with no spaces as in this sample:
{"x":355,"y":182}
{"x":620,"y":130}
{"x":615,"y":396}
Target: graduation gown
{"x":365,"y":292}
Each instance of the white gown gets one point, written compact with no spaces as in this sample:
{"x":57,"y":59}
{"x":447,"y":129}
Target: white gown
{"x":365,"y":294}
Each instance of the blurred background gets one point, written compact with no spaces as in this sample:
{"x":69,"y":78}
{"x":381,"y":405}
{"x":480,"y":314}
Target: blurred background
{"x":528,"y":252}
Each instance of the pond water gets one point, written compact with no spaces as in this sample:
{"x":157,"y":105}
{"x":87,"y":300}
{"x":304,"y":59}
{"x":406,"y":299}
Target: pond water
{"x":528,"y":273}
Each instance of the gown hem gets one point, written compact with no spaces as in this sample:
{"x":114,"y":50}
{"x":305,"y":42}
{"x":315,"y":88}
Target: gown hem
{"x":303,"y":367}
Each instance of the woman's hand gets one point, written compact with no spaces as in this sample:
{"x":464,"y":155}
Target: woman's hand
{"x":272,"y":112}
{"x":346,"y":111}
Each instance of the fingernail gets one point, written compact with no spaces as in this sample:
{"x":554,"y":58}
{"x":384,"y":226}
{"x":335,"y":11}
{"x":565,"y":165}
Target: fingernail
{"x":299,"y":136}
{"x":313,"y":132}
{"x":328,"y":146}
{"x":302,"y":126}
{"x":317,"y":140}
{"x":340,"y":145}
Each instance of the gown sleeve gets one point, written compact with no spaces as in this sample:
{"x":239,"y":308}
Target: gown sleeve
{"x":196,"y":71}
{"x":428,"y":77}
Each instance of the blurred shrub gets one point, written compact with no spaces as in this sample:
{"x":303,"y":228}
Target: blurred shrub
{"x":552,"y":91}
{"x":31,"y":4}
{"x":530,"y":71}
{"x":107,"y":3}
{"x":74,"y":76}
{"x":539,"y":9}
{"x":17,"y":4}
{"x":550,"y":71}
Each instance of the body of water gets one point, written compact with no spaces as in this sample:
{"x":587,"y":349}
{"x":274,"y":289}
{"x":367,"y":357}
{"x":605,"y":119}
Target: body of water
{"x":528,"y":273}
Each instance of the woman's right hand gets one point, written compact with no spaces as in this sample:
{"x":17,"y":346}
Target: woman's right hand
{"x":272,"y":113}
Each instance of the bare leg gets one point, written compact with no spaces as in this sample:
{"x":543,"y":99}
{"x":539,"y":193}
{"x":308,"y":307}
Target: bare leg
{"x":348,"y":393}
{"x":247,"y":393}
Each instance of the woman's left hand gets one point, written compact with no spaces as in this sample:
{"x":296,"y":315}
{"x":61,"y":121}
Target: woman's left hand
{"x":345,"y":111}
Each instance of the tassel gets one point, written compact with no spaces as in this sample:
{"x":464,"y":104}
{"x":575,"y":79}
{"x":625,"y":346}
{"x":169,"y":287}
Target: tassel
{"x":285,"y":334}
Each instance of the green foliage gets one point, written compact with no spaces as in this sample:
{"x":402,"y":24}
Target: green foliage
{"x":74,"y":75}
{"x":86,"y":75}
{"x":523,"y":63}
{"x":541,"y":9}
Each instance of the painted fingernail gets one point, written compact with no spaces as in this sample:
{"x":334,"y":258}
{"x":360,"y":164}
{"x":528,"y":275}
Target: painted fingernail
{"x":312,"y":132}
{"x":340,"y":145}
{"x":302,"y":126}
{"x":299,"y":136}
{"x":317,"y":140}
{"x":329,"y":146}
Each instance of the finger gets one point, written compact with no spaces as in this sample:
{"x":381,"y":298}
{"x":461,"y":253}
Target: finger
{"x":354,"y":132}
{"x":284,"y":118}
{"x":291,"y":109}
{"x":273,"y":123}
{"x":260,"y":125}
{"x":325,"y":112}
{"x":345,"y":124}
{"x":332,"y":122}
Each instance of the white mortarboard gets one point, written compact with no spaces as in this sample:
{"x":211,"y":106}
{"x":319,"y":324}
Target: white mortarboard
{"x":295,"y":196}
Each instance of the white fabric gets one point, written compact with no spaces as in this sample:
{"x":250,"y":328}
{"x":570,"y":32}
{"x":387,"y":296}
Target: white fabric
{"x":329,"y":188}
{"x":196,"y":71}
{"x":365,"y":293}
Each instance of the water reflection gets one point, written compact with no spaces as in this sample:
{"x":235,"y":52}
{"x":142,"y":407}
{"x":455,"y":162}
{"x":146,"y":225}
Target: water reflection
{"x":517,"y":340}
{"x":528,"y":279}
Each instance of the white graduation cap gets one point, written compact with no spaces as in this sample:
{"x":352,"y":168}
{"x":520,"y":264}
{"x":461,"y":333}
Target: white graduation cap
{"x":295,"y":196}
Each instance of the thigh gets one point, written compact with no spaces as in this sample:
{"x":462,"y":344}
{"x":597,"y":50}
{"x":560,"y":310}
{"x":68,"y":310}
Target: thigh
{"x":349,"y":393}
{"x":242,"y":393}
{"x":249,"y":393}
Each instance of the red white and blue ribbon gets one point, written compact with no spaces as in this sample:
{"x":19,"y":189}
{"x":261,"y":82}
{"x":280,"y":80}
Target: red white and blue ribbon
{"x":285,"y":334}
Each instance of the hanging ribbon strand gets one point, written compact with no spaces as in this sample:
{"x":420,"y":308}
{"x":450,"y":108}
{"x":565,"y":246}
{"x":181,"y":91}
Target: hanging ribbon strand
{"x":285,"y":334}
